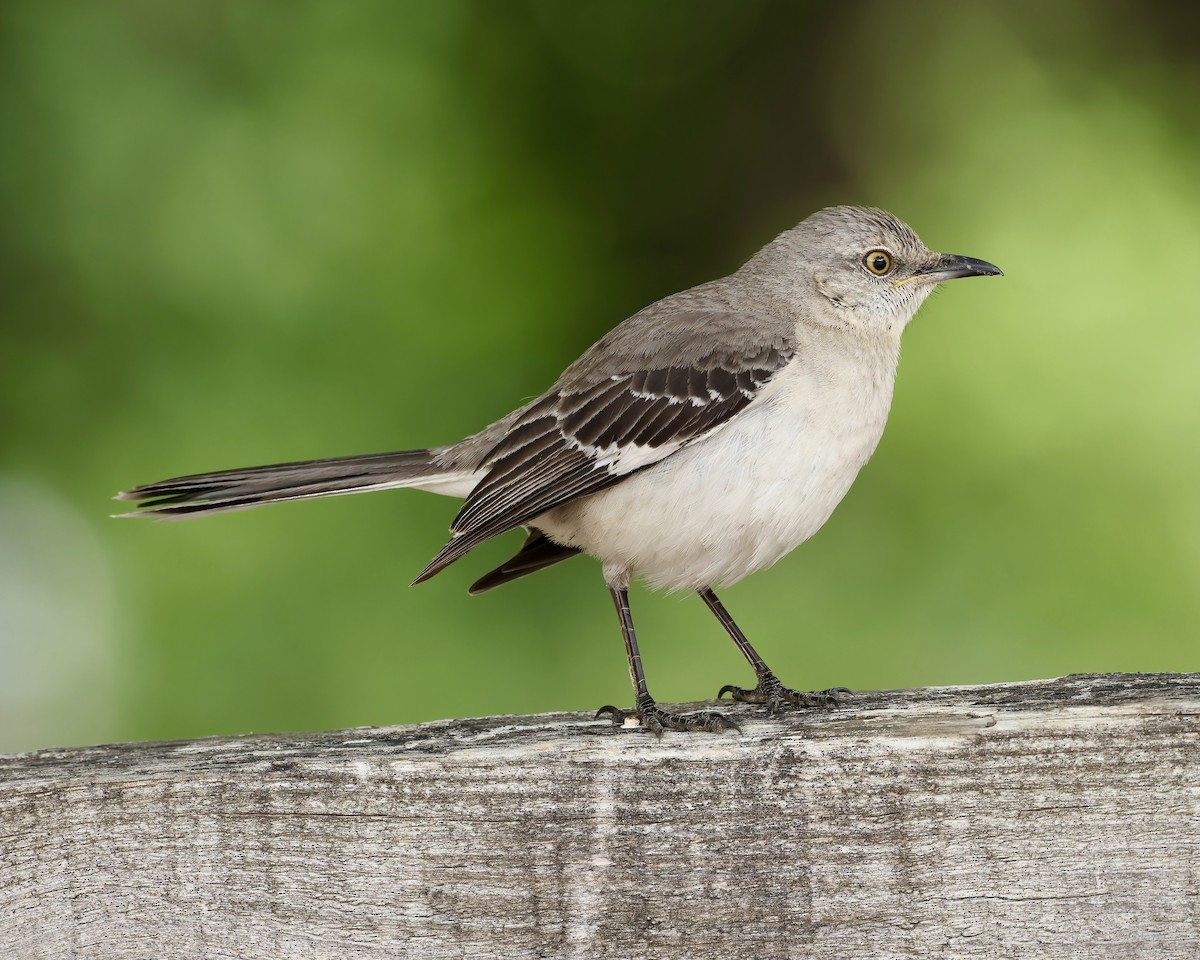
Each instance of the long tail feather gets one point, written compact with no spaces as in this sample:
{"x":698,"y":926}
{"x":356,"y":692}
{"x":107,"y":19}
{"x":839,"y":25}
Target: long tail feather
{"x":224,"y":490}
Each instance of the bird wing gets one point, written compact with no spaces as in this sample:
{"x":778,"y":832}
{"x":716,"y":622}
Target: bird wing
{"x":605,"y":421}
{"x":537,"y":553}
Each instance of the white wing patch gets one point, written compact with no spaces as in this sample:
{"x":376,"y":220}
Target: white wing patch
{"x":576,"y":441}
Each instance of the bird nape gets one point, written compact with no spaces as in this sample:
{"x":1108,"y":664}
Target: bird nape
{"x":700,"y":440}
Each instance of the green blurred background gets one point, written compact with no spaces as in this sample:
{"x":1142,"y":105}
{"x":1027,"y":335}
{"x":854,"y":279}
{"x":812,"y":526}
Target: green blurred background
{"x":242,"y":232}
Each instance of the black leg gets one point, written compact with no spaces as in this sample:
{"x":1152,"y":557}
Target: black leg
{"x":645,"y":711}
{"x":769,"y":690}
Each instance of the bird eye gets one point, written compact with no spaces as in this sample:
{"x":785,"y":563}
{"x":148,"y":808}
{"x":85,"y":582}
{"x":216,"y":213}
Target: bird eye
{"x":879,"y":262}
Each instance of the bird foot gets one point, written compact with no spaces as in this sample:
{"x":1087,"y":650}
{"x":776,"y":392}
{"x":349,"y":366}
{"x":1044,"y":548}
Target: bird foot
{"x":648,"y":716}
{"x":774,"y":694}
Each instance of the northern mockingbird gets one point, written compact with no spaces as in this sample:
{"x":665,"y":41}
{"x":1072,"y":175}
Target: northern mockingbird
{"x":699,"y":441}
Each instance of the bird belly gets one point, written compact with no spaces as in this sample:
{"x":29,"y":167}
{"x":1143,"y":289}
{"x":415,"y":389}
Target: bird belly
{"x":730,"y":504}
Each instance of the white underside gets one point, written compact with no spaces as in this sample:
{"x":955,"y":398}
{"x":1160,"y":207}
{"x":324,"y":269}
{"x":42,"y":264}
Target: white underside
{"x":733,"y":503}
{"x":745,"y":495}
{"x":451,"y":484}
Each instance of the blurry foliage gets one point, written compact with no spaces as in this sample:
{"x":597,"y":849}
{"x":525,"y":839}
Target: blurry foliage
{"x":240,"y":232}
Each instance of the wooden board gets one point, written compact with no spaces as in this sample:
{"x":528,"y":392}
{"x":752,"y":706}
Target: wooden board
{"x":1047,"y":819}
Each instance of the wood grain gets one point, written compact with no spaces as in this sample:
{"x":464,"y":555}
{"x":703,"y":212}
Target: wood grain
{"x":1054,"y":818}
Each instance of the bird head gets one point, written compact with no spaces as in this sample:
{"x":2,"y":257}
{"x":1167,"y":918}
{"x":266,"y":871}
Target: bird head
{"x":868,"y":269}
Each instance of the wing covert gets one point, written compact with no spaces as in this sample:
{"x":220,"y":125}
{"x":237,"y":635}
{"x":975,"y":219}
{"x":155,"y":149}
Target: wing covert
{"x":582,"y":437}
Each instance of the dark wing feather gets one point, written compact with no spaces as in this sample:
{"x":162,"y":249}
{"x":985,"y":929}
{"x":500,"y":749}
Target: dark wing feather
{"x":537,"y":553}
{"x":573,"y":441}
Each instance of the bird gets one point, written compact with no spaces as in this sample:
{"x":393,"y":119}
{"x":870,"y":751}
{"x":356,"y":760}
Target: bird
{"x":697,"y":442}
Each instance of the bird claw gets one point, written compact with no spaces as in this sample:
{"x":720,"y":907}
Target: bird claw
{"x":648,"y":716}
{"x":774,"y":695}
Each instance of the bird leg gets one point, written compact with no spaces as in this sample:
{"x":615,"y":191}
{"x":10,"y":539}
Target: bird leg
{"x":769,"y":690}
{"x":646,"y":712}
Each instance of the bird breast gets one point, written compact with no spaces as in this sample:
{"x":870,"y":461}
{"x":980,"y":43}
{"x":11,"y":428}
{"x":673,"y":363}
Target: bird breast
{"x":750,"y":491}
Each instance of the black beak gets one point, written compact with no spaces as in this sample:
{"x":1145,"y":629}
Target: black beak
{"x":951,"y":266}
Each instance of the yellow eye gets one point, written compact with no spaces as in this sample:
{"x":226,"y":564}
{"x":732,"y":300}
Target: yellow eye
{"x":879,"y":262}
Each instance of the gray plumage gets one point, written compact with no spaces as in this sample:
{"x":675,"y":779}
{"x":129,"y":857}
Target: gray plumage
{"x":698,"y":441}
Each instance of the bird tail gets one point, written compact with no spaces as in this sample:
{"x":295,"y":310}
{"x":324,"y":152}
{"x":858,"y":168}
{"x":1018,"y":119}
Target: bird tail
{"x":205,"y":493}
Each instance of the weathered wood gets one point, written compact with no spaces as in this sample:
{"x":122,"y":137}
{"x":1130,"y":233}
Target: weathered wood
{"x":1048,"y":819}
